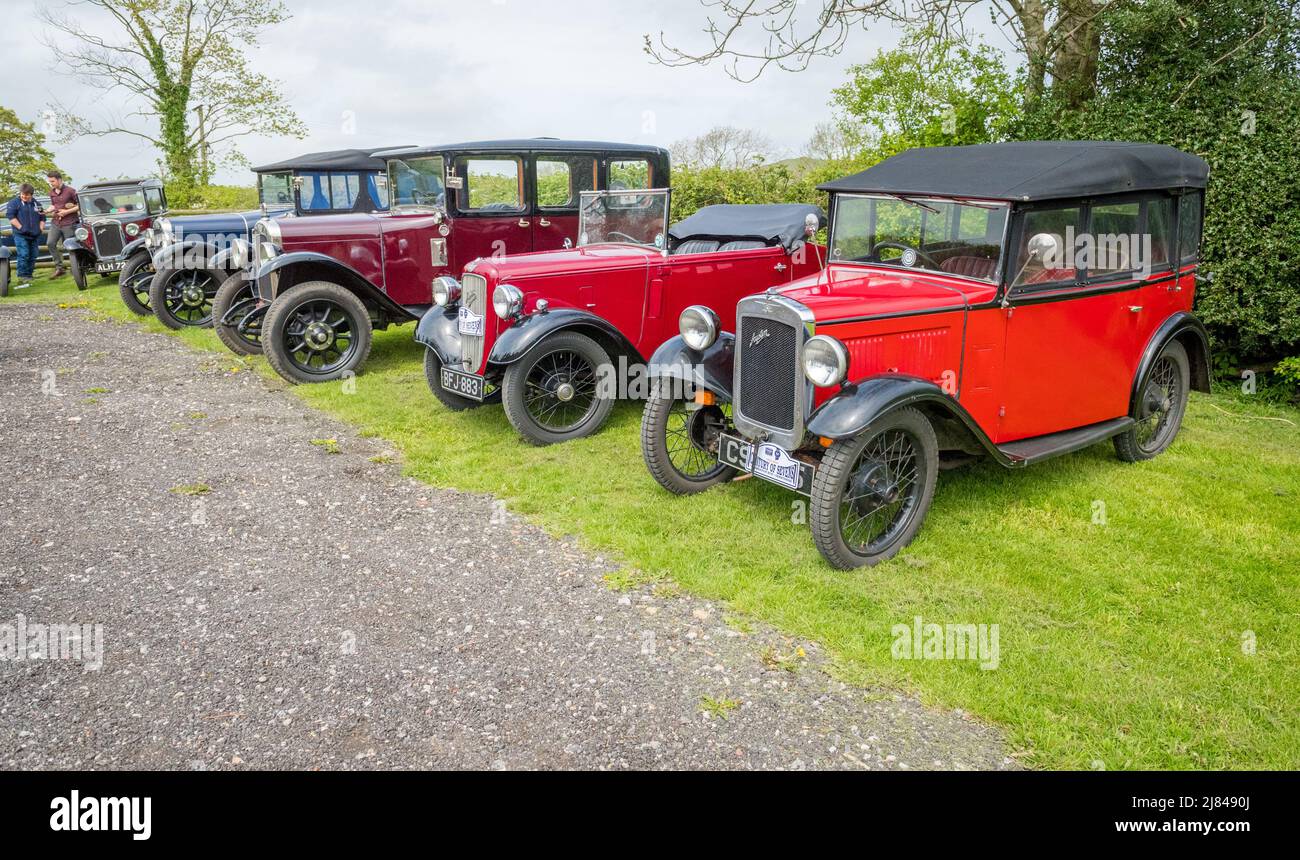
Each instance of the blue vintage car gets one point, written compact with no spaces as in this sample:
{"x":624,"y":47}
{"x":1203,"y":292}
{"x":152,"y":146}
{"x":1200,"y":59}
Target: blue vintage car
{"x":184,"y":260}
{"x":9,"y":253}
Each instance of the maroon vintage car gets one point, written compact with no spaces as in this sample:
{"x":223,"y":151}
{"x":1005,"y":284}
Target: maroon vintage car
{"x":324,"y":283}
{"x":557,"y":337}
{"x":116,"y":216}
{"x":1012,"y":301}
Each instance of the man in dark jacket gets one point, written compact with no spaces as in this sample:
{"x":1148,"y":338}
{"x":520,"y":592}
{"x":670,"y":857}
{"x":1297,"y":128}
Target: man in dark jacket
{"x":25,"y":217}
{"x":64,"y":206}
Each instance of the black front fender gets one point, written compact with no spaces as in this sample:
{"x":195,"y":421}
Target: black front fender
{"x":515,"y":342}
{"x":73,"y":246}
{"x":300,"y":266}
{"x":136,"y":244}
{"x":713,"y":369}
{"x":856,"y":406}
{"x":438,"y":331}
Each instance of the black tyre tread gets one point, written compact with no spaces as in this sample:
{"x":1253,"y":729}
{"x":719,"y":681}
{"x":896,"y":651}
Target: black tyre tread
{"x":221,"y":303}
{"x":275,"y":319}
{"x":433,"y":376}
{"x":513,"y":385}
{"x":77,"y":270}
{"x":158,"y":303}
{"x":4,"y":277}
{"x":129,"y":298}
{"x":824,"y":504}
{"x":1126,"y":444}
{"x":654,"y":450}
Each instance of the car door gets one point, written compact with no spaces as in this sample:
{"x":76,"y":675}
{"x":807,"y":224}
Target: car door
{"x":1069,"y":331}
{"x":490,"y":207}
{"x":558,"y":179}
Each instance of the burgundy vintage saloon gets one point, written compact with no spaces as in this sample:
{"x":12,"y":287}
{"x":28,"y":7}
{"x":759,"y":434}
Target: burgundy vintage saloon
{"x":116,"y":216}
{"x":546,"y":333}
{"x":324,"y":283}
{"x":1016,"y":301}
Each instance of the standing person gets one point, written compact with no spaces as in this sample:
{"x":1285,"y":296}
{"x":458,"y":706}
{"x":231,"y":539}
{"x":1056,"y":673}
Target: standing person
{"x":28,"y":223}
{"x":64,"y":206}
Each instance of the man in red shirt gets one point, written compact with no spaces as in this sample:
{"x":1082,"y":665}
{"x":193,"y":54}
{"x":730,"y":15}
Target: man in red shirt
{"x":64,"y":206}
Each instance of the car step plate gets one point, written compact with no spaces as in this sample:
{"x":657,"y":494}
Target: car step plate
{"x":767,"y":461}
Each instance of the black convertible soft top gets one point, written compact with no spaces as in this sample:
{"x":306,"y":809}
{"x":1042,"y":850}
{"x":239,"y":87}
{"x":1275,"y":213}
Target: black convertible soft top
{"x":334,"y":159}
{"x":1030,"y":170}
{"x":764,"y":222}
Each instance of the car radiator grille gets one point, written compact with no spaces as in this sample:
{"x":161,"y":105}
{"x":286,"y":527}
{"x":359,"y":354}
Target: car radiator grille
{"x":474,"y":296}
{"x":769,"y":371}
{"x":109,"y":240}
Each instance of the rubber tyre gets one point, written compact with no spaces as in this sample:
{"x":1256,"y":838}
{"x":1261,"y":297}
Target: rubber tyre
{"x":1127,"y":447}
{"x":654,"y":449}
{"x":4,"y":277}
{"x":158,"y":298}
{"x":832,"y":478}
{"x":514,"y":387}
{"x":135,"y":266}
{"x":282,"y":309}
{"x":227,"y":295}
{"x":433,"y":376}
{"x":77,"y":267}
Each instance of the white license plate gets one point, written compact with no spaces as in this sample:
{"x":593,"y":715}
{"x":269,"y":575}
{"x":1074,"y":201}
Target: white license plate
{"x":468,"y":322}
{"x":463,"y":384}
{"x":767,"y":461}
{"x":108,"y":267}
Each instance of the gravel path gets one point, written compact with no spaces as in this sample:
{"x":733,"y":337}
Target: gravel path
{"x":318,"y":610}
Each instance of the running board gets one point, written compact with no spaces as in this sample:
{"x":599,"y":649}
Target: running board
{"x":1026,"y":451}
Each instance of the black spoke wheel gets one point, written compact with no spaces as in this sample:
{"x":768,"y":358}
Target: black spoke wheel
{"x":316,"y":332}
{"x":871,"y":493}
{"x":433,"y":376}
{"x":137,"y":276}
{"x":235,"y":303}
{"x":679,"y":441}
{"x":1160,"y":406}
{"x":77,"y":265}
{"x":557,"y":391}
{"x":182,"y":298}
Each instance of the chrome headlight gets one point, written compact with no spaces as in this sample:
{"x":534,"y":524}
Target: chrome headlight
{"x":81,"y":233}
{"x":264,"y":252}
{"x":165,"y":225}
{"x":699,"y":327}
{"x":825,"y":361}
{"x":507,"y":301}
{"x":446,"y":291}
{"x":132,"y":230}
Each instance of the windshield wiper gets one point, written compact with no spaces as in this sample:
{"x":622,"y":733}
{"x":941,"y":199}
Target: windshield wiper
{"x":916,"y":203}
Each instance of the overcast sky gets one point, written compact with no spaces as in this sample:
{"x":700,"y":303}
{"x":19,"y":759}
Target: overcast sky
{"x":441,"y":71}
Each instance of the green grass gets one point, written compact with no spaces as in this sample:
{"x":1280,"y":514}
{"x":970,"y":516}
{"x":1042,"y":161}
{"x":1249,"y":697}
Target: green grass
{"x":1121,"y":645}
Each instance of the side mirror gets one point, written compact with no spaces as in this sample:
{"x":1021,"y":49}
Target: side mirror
{"x":811,"y":223}
{"x":1045,"y":248}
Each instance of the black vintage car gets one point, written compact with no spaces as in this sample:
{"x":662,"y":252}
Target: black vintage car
{"x":115,"y":216}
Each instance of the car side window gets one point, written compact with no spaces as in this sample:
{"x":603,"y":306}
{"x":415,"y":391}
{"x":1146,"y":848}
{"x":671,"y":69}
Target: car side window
{"x":492,"y":185}
{"x":1189,"y":227}
{"x":1048,"y":261}
{"x":153,"y":199}
{"x":561,"y":178}
{"x":629,"y":173}
{"x":314,"y":195}
{"x":344,"y":188}
{"x":1160,"y":227}
{"x":1115,"y":238}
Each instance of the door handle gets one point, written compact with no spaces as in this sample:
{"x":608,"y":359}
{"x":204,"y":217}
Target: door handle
{"x":1175,"y":289}
{"x":523,"y":222}
{"x":544,"y":223}
{"x":780,"y":267}
{"x":1134,"y":308}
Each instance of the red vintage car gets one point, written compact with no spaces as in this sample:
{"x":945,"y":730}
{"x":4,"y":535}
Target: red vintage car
{"x":1015,"y":301}
{"x":557,"y":337}
{"x":323,"y":283}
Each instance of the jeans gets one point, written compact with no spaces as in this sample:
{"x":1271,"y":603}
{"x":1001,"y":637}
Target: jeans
{"x":26,"y":246}
{"x":55,"y":240}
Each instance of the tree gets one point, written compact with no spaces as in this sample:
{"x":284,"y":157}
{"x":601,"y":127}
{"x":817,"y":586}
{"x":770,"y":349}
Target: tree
{"x":723,"y":146}
{"x":1057,"y":40}
{"x":832,"y":140}
{"x":953,"y":93}
{"x":184,"y":63}
{"x":23,"y":156}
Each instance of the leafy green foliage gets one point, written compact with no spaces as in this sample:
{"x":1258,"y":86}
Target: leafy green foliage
{"x":1219,"y":80}
{"x":23,"y":156}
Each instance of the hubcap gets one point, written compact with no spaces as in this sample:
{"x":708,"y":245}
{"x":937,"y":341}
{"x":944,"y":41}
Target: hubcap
{"x":192,"y":296}
{"x":319,"y":336}
{"x":564,"y":392}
